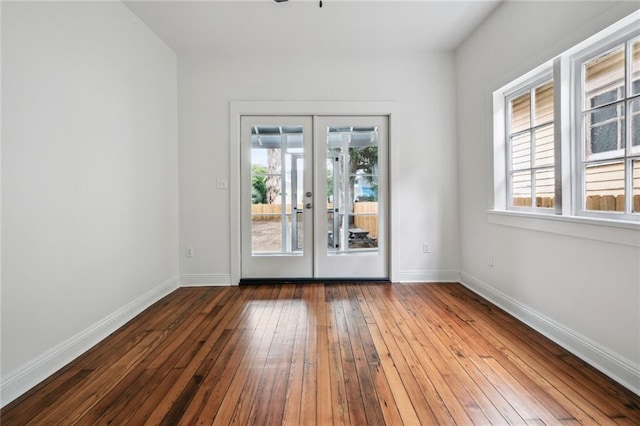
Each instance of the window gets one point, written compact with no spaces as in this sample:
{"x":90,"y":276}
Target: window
{"x":530,"y":147}
{"x":609,"y":144}
{"x":570,"y":130}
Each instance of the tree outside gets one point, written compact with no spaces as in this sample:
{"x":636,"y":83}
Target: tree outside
{"x":258,"y":184}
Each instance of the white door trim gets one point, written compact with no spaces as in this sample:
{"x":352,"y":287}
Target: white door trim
{"x":309,"y":108}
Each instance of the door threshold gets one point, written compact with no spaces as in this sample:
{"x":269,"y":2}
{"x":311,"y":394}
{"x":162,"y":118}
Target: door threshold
{"x":252,"y":281}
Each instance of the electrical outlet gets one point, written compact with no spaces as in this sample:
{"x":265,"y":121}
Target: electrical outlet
{"x":189,"y":252}
{"x":221,"y":183}
{"x":425,"y":248}
{"x":490,"y":260}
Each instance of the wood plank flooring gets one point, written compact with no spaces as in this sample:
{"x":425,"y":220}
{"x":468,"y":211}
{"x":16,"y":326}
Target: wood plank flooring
{"x":359,"y":354}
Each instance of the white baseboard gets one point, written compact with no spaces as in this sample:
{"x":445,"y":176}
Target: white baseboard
{"x":35,"y":371}
{"x":620,"y":369}
{"x":428,"y":275}
{"x":205,"y":280}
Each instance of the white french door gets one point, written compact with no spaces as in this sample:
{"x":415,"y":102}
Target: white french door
{"x":314,"y":197}
{"x":276,"y":176}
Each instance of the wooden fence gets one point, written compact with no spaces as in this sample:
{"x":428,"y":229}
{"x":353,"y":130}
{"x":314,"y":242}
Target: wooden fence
{"x":610,"y":203}
{"x":540,"y":202}
{"x":366,"y":214}
{"x":267,"y":212}
{"x":367,"y":217}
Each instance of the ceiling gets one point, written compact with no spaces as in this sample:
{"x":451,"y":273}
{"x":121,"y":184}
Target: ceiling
{"x":264,"y":26}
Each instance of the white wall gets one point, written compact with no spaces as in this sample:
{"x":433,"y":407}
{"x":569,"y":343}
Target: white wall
{"x":582,"y":291}
{"x":424,"y":185}
{"x":89,"y":179}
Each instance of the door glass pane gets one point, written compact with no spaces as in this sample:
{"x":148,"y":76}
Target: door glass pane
{"x":277,"y":190}
{"x":604,"y":187}
{"x":352,"y":189}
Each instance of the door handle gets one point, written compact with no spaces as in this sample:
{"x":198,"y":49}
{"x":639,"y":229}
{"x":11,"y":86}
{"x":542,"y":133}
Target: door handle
{"x":308,"y":194}
{"x":308,"y":205}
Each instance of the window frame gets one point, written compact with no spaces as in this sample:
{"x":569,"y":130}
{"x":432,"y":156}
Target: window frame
{"x":568,"y":137}
{"x":607,"y":41}
{"x":538,"y":79}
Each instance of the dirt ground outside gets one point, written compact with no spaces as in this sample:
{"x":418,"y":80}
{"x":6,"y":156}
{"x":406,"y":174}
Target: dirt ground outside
{"x":267,"y":238}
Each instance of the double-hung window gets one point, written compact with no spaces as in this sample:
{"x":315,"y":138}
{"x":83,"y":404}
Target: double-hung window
{"x":570,"y":131}
{"x":530,"y":146}
{"x":608,"y":143}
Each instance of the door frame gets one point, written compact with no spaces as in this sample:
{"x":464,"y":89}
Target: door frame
{"x":314,"y":109}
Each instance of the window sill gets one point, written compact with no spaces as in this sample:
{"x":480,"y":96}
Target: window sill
{"x":610,"y":231}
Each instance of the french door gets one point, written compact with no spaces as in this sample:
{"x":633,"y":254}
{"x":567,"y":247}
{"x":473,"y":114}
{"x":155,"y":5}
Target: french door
{"x":314,"y":197}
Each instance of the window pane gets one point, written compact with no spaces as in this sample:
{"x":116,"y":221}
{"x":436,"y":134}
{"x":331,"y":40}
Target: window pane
{"x":365,"y":231}
{"x":604,"y":187}
{"x":269,"y":158}
{"x":544,"y":150}
{"x":353,"y":188}
{"x":545,"y":188}
{"x":297,"y":241}
{"x":635,"y":124}
{"x":607,"y":97}
{"x":521,"y":189}
{"x":277,"y":168}
{"x":604,"y":129}
{"x":604,"y":77}
{"x":531,"y":149}
{"x":635,"y":66}
{"x":267,"y":232}
{"x":366,"y":189}
{"x":544,"y":104}
{"x":521,"y":152}
{"x":521,"y":113}
{"x":636,"y":186}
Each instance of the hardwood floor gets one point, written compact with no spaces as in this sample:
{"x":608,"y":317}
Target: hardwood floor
{"x":357,"y":354}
